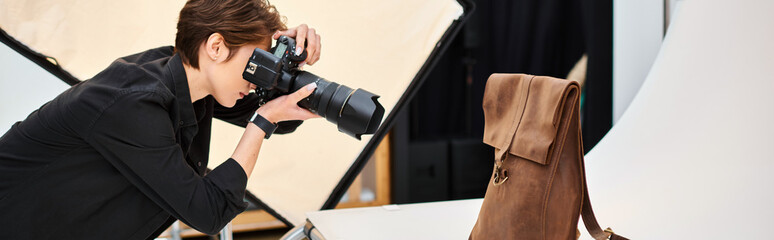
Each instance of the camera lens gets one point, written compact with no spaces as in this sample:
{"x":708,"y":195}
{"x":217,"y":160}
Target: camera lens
{"x":361,"y":113}
{"x":355,"y":112}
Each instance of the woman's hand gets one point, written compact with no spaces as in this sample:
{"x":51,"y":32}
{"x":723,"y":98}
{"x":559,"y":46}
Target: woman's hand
{"x":286,"y":107}
{"x":303,"y":34}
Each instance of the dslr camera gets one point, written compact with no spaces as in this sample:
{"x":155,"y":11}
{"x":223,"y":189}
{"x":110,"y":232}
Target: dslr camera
{"x":355,"y":112}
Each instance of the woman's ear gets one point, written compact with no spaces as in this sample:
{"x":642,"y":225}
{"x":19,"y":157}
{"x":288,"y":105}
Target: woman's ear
{"x":215,"y":47}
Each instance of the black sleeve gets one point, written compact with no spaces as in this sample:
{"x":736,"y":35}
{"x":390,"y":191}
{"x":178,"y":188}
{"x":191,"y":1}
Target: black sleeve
{"x":240,"y":113}
{"x":244,"y":109}
{"x":136,"y":135}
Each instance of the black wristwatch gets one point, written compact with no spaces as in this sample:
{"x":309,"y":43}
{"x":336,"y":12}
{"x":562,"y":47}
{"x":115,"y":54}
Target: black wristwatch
{"x":265,"y":125}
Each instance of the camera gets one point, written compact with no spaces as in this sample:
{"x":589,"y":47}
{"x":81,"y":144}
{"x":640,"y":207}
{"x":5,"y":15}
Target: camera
{"x":355,"y":112}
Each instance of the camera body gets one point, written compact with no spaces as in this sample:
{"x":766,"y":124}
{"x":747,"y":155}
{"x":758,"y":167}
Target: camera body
{"x":266,"y":69}
{"x":276,"y":73}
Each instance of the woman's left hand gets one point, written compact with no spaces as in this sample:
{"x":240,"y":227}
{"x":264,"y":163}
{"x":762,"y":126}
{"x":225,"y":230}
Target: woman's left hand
{"x":304,"y":34}
{"x":285,"y":107}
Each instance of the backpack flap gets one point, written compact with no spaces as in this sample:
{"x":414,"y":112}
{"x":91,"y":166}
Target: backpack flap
{"x":521,"y":115}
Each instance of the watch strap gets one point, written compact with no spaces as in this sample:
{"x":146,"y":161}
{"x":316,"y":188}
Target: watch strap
{"x":265,"y":125}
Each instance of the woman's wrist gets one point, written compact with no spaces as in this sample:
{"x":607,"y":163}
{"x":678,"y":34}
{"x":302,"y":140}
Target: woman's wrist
{"x":266,"y":125}
{"x":267,"y":115}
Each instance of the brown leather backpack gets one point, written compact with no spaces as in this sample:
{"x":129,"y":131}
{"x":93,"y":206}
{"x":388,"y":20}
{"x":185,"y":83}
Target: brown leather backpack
{"x":538,"y":187}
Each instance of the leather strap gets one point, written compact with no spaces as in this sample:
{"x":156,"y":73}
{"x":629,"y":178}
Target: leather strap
{"x":519,"y":114}
{"x":591,"y":221}
{"x":587,"y":213}
{"x":500,"y":177}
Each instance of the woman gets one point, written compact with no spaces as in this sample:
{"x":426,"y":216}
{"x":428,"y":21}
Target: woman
{"x":122,"y":155}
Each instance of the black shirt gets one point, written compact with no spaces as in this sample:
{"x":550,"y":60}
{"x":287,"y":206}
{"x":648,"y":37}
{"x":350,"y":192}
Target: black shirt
{"x":120,"y":156}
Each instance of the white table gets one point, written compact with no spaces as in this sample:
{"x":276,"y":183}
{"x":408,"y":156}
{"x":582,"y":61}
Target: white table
{"x":434,"y":220}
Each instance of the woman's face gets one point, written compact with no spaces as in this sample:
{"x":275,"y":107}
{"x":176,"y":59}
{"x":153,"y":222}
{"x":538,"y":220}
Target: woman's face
{"x":227,"y":83}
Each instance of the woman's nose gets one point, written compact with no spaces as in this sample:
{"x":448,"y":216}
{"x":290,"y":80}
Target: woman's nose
{"x":253,"y":86}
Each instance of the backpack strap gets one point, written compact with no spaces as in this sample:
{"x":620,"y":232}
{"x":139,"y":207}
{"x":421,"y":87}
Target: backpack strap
{"x":587,"y":213}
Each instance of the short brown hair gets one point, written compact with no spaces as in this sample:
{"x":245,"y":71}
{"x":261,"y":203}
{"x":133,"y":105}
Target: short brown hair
{"x":240,"y":22}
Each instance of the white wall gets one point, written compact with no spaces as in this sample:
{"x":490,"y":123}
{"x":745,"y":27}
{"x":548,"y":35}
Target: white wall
{"x":24,"y":87}
{"x":670,"y":6}
{"x":691,"y":157}
{"x":638,"y":28}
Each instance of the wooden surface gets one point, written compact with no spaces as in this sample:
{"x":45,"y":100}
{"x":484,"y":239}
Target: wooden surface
{"x":381,"y":160}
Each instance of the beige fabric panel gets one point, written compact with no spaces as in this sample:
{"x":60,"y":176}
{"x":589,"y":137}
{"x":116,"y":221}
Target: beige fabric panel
{"x":691,"y":157}
{"x":86,"y":36}
{"x":375,"y":45}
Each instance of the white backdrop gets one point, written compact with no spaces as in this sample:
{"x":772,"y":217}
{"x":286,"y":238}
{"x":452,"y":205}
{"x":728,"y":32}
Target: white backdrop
{"x":691,"y":157}
{"x":638,"y":28}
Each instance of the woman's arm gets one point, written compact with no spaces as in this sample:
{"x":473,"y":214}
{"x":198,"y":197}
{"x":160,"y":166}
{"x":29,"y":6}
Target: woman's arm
{"x":136,"y":135}
{"x":280,"y":109}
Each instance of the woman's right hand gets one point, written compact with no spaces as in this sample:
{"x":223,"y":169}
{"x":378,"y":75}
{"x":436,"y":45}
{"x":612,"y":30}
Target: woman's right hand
{"x":285,"y":108}
{"x":304,"y":34}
